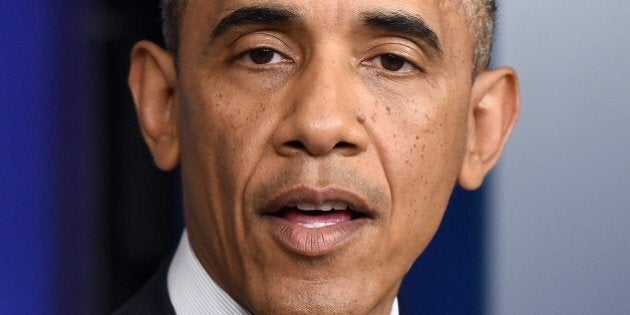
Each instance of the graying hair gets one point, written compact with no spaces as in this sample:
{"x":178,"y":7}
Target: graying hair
{"x":481,"y":15}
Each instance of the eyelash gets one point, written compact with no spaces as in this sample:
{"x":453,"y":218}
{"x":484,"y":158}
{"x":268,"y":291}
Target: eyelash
{"x":248,"y":55}
{"x":406,"y":67}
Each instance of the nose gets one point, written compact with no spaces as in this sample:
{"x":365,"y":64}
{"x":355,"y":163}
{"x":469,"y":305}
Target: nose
{"x":323,"y":116}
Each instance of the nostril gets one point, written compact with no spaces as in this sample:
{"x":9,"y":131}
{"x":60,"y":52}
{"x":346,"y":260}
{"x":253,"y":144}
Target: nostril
{"x":317,"y":149}
{"x":295,"y":145}
{"x":344,"y":145}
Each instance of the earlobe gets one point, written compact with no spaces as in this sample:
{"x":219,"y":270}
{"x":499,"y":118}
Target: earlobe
{"x":153,"y":83}
{"x":494,"y":108}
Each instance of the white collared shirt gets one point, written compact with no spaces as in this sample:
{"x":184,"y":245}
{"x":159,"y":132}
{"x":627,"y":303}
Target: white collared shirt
{"x":193,"y":292}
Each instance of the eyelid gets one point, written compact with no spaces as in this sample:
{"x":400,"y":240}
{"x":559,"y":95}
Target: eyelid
{"x":371,"y":61}
{"x":261,"y":39}
{"x":244,"y":54}
{"x":414,"y":56}
{"x":377,"y":59}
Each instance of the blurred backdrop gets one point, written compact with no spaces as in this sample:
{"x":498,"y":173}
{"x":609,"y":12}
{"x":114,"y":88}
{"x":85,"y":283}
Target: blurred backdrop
{"x":559,"y":240}
{"x":85,"y":217}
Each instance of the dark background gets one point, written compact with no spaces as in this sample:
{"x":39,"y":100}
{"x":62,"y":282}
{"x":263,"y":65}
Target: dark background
{"x":143,"y":211}
{"x":95,"y":218}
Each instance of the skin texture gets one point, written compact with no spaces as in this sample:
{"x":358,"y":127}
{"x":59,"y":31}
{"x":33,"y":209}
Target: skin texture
{"x":480,"y":14}
{"x":324,"y":113}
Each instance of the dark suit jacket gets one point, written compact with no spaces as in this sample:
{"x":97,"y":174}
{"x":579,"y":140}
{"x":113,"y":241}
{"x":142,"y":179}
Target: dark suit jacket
{"x":153,"y":298}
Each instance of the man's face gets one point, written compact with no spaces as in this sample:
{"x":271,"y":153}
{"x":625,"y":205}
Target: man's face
{"x":288,"y":109}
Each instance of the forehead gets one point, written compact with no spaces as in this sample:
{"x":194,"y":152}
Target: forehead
{"x":439,"y":14}
{"x":337,"y":18}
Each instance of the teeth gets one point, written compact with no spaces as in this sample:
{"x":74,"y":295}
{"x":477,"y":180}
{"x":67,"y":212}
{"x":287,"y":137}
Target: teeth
{"x":306,"y":206}
{"x":327,"y":206}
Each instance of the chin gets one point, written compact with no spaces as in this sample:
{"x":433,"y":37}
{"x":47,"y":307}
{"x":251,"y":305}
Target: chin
{"x":315,"y":299}
{"x":357,"y":293}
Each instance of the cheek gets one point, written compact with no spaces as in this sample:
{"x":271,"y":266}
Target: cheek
{"x":423,"y":150}
{"x":224,"y":132}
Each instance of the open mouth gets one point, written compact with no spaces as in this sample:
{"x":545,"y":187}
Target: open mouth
{"x":313,"y":216}
{"x":315,"y":222}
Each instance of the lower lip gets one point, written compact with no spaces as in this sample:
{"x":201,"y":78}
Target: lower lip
{"x":314,"y":241}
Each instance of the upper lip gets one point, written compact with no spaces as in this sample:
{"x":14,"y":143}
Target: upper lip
{"x":308,"y":195}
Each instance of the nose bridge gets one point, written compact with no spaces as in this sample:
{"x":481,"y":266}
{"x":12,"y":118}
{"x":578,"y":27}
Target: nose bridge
{"x":323,"y":116}
{"x":319,"y":89}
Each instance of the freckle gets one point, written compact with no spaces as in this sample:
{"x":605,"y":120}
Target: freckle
{"x":417,"y":137}
{"x":415,"y":146}
{"x":389,"y":110}
{"x":361,"y":119}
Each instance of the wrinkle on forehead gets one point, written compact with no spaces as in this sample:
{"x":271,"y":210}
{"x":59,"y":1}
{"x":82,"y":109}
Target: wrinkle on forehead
{"x":472,"y":14}
{"x":338,"y":9}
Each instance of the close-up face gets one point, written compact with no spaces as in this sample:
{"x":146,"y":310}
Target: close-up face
{"x":319,"y":142}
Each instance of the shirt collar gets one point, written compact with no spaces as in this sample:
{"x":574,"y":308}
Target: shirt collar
{"x":192,"y":290}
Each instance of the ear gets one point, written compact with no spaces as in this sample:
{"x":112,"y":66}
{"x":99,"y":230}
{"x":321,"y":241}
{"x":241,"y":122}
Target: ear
{"x":153,"y":83}
{"x":494,"y":108}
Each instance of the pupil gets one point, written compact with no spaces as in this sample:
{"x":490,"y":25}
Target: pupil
{"x":392,"y":62}
{"x":261,"y":55}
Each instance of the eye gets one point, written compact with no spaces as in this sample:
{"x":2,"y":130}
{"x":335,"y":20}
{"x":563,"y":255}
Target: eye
{"x":392,"y":63}
{"x":263,"y":56}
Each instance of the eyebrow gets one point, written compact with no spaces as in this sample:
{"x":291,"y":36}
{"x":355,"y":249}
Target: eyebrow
{"x":403,"y":23}
{"x":254,"y":15}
